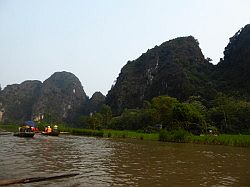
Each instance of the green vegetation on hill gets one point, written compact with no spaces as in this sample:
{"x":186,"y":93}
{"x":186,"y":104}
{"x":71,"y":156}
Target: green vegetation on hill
{"x":233,"y":71}
{"x":225,"y":115}
{"x":176,"y":68}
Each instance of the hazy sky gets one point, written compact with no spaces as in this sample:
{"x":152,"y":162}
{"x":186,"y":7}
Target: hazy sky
{"x":94,"y":39}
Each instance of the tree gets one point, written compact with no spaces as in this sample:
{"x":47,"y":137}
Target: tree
{"x":230,"y":115}
{"x":187,"y":116}
{"x":95,"y":121}
{"x":116,"y":123}
{"x":131,"y":119}
{"x":106,"y":115}
{"x":209,"y":59}
{"x":148,"y":118}
{"x":164,"y":106}
{"x":82,"y":121}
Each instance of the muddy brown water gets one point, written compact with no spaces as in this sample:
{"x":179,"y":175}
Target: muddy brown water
{"x":123,"y":162}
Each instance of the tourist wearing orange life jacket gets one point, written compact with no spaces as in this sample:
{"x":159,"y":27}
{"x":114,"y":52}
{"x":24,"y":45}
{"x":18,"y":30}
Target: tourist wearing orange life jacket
{"x":49,"y":129}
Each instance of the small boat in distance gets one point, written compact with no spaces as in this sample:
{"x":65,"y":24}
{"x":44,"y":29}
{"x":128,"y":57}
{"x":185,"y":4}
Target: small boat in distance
{"x":51,"y":131}
{"x":25,"y":131}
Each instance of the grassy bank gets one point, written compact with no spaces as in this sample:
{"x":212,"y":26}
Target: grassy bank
{"x":9,"y":128}
{"x":111,"y":133}
{"x":224,"y":139}
{"x":179,"y":136}
{"x":131,"y":134}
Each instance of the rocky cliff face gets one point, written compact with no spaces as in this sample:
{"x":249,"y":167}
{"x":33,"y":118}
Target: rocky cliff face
{"x":233,"y":72}
{"x":62,"y":98}
{"x":176,"y":68}
{"x":95,"y":102}
{"x":17,"y":100}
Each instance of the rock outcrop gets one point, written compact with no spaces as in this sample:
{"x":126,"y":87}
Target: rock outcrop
{"x":176,"y":68}
{"x":95,"y":102}
{"x":62,"y":98}
{"x":233,"y":72}
{"x":17,"y":101}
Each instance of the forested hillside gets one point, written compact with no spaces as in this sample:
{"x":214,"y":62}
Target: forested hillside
{"x":233,"y":71}
{"x":176,"y":68}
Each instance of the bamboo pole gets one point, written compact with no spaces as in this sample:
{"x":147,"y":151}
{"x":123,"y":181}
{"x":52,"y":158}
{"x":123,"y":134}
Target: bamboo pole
{"x":35,"y":179}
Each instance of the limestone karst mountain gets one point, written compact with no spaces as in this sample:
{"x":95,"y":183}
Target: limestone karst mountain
{"x":62,"y":97}
{"x":176,"y":68}
{"x":17,"y":101}
{"x":95,"y":102}
{"x":233,"y":71}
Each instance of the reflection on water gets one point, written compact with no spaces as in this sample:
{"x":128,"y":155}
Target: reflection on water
{"x":104,"y":162}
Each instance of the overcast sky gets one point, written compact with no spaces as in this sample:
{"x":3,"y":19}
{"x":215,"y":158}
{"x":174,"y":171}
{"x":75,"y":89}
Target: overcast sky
{"x":94,"y":39}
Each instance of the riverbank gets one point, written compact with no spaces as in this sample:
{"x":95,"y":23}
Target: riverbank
{"x":178,"y":136}
{"x":223,"y":139}
{"x":182,"y":136}
{"x":9,"y":128}
{"x":107,"y":133}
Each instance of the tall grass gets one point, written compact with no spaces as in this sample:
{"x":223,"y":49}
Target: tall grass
{"x":131,"y":134}
{"x":178,"y":135}
{"x":10,"y":128}
{"x":224,"y":139}
{"x":111,"y":133}
{"x":87,"y":132}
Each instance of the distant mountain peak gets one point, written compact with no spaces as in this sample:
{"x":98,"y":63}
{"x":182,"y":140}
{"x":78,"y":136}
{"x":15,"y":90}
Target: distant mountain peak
{"x":62,"y":96}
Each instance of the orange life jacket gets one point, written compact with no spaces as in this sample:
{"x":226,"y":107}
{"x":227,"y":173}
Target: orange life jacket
{"x":49,"y":130}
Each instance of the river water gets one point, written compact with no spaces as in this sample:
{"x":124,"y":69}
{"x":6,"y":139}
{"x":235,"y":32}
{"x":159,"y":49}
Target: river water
{"x":123,"y":162}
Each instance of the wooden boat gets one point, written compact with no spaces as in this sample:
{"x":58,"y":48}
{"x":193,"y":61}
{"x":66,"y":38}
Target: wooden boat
{"x":24,"y":134}
{"x":25,"y":131}
{"x":53,"y":133}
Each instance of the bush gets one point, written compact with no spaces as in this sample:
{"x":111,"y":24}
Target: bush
{"x":86,"y":132}
{"x":109,"y":134}
{"x":179,"y":135}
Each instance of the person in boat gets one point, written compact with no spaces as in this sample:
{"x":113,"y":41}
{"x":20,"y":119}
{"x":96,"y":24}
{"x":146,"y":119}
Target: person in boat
{"x":55,"y":128}
{"x":25,"y":128}
{"x":49,"y":130}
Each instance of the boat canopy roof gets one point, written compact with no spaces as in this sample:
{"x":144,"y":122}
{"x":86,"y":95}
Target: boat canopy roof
{"x":30,"y":123}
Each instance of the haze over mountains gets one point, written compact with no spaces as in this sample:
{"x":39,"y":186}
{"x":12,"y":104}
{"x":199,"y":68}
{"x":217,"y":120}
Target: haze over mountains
{"x":176,"y":68}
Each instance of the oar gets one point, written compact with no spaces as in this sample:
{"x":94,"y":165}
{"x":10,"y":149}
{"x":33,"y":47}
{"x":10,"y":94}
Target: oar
{"x":5,"y":133}
{"x":35,"y":179}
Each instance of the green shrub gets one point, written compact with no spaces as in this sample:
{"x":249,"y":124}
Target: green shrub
{"x":87,"y":132}
{"x":109,"y":134}
{"x":178,"y":135}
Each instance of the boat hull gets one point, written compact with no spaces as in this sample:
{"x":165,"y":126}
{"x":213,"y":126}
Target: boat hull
{"x":51,"y":133}
{"x":24,"y":134}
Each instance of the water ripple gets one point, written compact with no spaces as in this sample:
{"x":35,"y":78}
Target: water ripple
{"x":104,"y":162}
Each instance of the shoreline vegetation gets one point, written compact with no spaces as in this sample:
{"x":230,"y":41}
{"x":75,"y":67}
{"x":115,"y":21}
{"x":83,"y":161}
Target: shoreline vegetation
{"x":176,"y":136}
